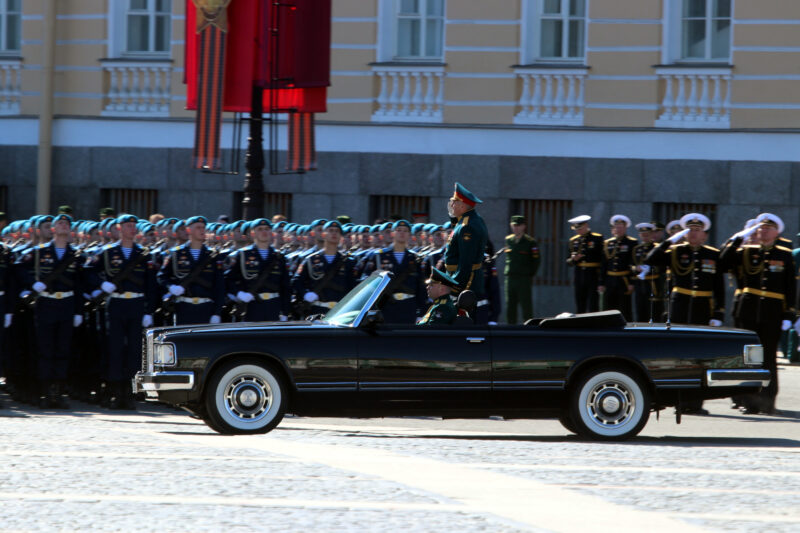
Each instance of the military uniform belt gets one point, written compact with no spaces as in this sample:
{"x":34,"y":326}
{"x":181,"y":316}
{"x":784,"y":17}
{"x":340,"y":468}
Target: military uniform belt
{"x":589,"y":265}
{"x":451,"y":268}
{"x":764,"y":294}
{"x":623,"y":273}
{"x":57,"y":295}
{"x":400,"y":296}
{"x":327,"y":305}
{"x":127,"y":295}
{"x":268,"y":295}
{"x":651,"y":276}
{"x":481,"y":303}
{"x":693,"y":294}
{"x":477,"y":266}
{"x":194,"y":300}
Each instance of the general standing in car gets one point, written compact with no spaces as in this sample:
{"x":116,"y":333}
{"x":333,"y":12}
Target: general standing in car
{"x":463,"y":256}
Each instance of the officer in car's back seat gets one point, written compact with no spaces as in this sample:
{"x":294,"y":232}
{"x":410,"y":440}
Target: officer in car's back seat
{"x":440,"y":286}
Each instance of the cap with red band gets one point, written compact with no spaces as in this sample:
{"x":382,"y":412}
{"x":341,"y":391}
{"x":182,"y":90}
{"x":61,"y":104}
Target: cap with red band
{"x":462,"y":194}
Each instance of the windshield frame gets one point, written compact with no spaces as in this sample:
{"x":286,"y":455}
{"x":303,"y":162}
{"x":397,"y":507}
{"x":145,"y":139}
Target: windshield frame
{"x":364,"y":284}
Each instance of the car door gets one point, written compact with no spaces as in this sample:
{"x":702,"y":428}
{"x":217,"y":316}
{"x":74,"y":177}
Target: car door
{"x":409,"y":368}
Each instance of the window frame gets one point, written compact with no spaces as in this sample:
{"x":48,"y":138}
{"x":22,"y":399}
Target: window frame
{"x":533,"y":15}
{"x":423,"y":18}
{"x":673,"y":31}
{"x":118,"y":30}
{"x":4,"y":14}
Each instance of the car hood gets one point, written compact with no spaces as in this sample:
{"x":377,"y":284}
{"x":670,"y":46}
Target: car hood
{"x":238,"y":326}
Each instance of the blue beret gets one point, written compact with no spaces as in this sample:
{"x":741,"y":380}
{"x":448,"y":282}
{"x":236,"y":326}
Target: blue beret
{"x":402,"y":224}
{"x":385,"y":226}
{"x":374,"y":228}
{"x":126,"y":218}
{"x":280,"y":224}
{"x":447,"y":225}
{"x":192,"y":220}
{"x":253,"y":224}
{"x":60,"y":216}
{"x":41,"y":219}
{"x":178,"y":225}
{"x":416,"y":228}
{"x":332,"y":223}
{"x":6,"y":230}
{"x":318,"y":222}
{"x":147,"y":227}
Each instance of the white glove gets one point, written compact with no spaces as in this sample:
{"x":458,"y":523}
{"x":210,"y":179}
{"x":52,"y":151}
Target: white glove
{"x":643,"y":273}
{"x":797,"y":326}
{"x":785,"y":325}
{"x":246,"y":297}
{"x":215,"y":319}
{"x":108,"y":287}
{"x":492,"y":323}
{"x":7,"y":322}
{"x":23,"y":294}
{"x":177,"y":290}
{"x":96,"y":293}
{"x":147,"y":321}
{"x":283,"y":318}
{"x":39,"y":286}
{"x":745,"y":233}
{"x":678,"y":236}
{"x":715,"y":322}
{"x":77,"y":320}
{"x":311,"y":297}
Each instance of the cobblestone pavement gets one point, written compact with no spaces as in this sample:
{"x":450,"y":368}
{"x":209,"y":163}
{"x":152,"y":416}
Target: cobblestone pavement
{"x":160,"y":470}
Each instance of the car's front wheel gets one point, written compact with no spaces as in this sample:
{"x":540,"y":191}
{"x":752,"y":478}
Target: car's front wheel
{"x":244,"y":397}
{"x":609,"y":404}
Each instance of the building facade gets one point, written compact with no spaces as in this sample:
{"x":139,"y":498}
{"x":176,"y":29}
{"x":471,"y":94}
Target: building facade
{"x":551,"y":108}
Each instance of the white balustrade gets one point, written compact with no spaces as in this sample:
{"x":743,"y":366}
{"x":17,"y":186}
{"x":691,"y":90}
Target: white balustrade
{"x":695,"y":97}
{"x":138,"y":88}
{"x":551,"y":96}
{"x":10,"y":86}
{"x":409,"y":93}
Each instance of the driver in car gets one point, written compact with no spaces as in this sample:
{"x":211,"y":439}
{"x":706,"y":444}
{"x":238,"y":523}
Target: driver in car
{"x":440,"y":286}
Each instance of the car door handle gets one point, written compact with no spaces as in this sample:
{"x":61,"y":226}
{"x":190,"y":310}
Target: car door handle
{"x":475,"y":340}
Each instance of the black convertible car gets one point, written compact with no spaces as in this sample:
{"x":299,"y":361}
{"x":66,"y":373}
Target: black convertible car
{"x":598,"y":375}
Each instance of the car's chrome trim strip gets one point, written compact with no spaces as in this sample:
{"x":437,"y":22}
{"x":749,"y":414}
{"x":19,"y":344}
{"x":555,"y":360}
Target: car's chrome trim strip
{"x":738,"y":378}
{"x":328,"y":386}
{"x":529,"y":385}
{"x":425,"y":385}
{"x":694,"y":383}
{"x":161,"y":381}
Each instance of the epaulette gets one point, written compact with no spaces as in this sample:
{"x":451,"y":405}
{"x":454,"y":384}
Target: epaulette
{"x":575,"y":237}
{"x":710,"y":248}
{"x":596,"y":235}
{"x":509,"y":236}
{"x":785,"y":249}
{"x":529,"y":238}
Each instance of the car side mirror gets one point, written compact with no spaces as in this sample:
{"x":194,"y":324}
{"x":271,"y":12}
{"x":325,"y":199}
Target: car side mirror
{"x":373,"y":318}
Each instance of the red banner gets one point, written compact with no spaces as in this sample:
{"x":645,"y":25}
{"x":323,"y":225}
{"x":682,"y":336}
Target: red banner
{"x":302,"y":48}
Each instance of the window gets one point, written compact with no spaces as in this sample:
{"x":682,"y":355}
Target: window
{"x":139,"y":202}
{"x":275,"y":203}
{"x":547,"y":223}
{"x":667,"y":212}
{"x":706,"y":29}
{"x":562,"y":29}
{"x":10,"y":25}
{"x":420,"y":29}
{"x":147,"y":26}
{"x":385,"y":207}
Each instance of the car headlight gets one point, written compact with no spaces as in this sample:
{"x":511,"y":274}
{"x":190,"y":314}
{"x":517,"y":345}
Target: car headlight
{"x":753,"y":354}
{"x":164,"y":354}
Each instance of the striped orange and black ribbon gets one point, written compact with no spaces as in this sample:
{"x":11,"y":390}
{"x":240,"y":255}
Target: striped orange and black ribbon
{"x":211,"y":77}
{"x":302,"y":154}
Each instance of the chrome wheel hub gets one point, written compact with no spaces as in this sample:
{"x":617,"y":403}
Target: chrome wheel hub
{"x":248,"y":398}
{"x":610,"y":404}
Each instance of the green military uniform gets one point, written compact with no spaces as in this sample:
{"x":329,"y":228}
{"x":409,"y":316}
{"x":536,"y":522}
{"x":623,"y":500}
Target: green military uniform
{"x":792,"y":341}
{"x":522,"y":263}
{"x":441,"y":312}
{"x":463,"y":255}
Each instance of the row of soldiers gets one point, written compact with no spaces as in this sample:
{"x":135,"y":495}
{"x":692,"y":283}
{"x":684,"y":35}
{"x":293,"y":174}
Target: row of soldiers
{"x":77,"y":294}
{"x":681,"y":279}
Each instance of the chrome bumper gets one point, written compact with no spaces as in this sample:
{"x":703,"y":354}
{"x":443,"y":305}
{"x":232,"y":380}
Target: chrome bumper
{"x":721,"y":377}
{"x":152,"y":382}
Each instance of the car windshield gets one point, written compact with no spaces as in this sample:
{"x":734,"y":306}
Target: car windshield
{"x":348,"y":309}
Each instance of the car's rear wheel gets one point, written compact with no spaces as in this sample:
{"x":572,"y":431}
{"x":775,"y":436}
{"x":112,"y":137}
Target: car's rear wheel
{"x":609,"y":404}
{"x":244,"y":397}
